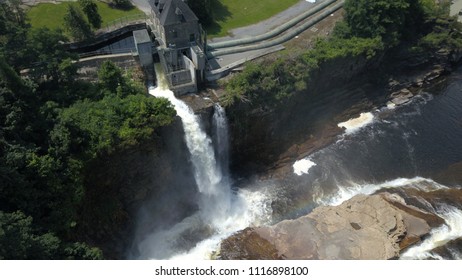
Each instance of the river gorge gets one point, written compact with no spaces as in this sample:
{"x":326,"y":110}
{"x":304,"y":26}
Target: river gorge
{"x":411,"y":151}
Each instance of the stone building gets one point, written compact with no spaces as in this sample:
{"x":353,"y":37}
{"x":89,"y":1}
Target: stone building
{"x":181,"y":43}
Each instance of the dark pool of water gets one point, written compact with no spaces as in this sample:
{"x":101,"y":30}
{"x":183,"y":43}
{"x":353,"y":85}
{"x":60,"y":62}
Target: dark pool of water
{"x":421,"y":138}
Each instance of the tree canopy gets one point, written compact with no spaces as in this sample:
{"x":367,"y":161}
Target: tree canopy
{"x":387,"y":19}
{"x":370,"y":27}
{"x":52,"y":127}
{"x":76,"y":23}
{"x":90,"y":9}
{"x":203,"y":10}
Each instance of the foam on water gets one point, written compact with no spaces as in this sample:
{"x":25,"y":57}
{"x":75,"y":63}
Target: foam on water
{"x":355,"y":124}
{"x":303,"y":166}
{"x":391,"y":105}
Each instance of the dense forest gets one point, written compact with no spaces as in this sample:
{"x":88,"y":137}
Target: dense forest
{"x":52,"y":127}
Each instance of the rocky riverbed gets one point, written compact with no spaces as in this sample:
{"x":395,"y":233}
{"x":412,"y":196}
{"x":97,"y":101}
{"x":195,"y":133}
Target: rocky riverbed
{"x":378,"y":226}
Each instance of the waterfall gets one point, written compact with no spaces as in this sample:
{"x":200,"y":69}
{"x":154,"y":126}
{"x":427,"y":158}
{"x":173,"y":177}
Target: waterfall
{"x":213,"y":187}
{"x":221,"y":138}
{"x":221,"y":212}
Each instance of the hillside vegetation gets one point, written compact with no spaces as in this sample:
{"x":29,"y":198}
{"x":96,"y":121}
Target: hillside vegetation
{"x":52,"y":127}
{"x":370,"y":28}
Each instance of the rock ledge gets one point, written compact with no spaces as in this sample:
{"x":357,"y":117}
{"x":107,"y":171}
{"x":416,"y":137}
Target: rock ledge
{"x":365,"y":227}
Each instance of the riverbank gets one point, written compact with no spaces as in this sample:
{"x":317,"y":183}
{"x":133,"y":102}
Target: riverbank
{"x":375,"y":160}
{"x":268,"y":101}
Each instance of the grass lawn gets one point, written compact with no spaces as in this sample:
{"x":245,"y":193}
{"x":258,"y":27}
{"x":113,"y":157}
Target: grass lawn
{"x":51,"y":15}
{"x":230,"y":14}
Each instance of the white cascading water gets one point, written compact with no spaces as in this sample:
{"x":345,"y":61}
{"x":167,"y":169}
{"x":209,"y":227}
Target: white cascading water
{"x":439,"y":236}
{"x":221,"y":212}
{"x":221,"y":137}
{"x":451,"y":230}
{"x":346,"y":192}
{"x":216,"y":195}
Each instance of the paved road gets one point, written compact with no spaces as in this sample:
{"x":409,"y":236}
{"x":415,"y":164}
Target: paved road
{"x":257,"y":29}
{"x":269,"y":24}
{"x":35,"y":2}
{"x":143,"y":5}
{"x":456,"y":6}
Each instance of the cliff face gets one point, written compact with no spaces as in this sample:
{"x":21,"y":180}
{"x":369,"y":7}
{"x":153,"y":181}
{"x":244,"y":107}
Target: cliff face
{"x":260,"y":135}
{"x":364,"y":227}
{"x":264,"y":138}
{"x":154,"y":175}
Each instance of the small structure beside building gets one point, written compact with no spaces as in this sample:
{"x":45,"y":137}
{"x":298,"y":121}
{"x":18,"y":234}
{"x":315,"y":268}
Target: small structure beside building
{"x":143,"y":45}
{"x":181,"y":43}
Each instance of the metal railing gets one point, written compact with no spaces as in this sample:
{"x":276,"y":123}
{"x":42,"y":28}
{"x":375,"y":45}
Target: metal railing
{"x":107,"y":52}
{"x":123,"y":21}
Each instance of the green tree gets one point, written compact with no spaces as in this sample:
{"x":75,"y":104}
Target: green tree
{"x":203,"y":10}
{"x":18,"y":239}
{"x":48,"y":57}
{"x":122,"y":4}
{"x":76,"y":24}
{"x":81,"y":251}
{"x":377,"y":18}
{"x":13,"y":33}
{"x":90,"y":9}
{"x":110,"y":76}
{"x":115,"y":122}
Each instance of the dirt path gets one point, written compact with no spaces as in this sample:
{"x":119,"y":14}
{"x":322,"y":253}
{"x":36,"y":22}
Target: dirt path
{"x":31,"y":3}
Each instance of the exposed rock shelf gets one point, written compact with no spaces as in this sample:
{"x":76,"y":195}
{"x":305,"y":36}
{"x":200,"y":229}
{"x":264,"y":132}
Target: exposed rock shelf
{"x":364,"y":227}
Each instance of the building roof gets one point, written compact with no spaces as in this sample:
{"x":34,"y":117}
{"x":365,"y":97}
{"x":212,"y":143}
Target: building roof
{"x":174,"y":12}
{"x":141,"y":36}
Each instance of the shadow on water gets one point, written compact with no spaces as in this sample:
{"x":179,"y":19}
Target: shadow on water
{"x":418,"y":139}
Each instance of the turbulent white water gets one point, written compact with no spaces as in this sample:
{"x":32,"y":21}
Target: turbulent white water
{"x":346,"y":192}
{"x":363,"y":156}
{"x":303,"y":166}
{"x":355,"y":124}
{"x":221,"y":212}
{"x":439,"y":236}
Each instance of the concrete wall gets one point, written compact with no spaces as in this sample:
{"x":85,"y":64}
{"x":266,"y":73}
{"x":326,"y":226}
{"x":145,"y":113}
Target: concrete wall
{"x":179,"y":35}
{"x":145,"y":53}
{"x":198,"y":57}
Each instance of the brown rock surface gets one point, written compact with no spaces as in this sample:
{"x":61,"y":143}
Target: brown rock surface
{"x":364,"y":227}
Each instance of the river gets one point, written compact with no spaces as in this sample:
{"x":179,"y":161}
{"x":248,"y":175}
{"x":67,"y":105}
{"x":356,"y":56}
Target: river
{"x":386,"y":148}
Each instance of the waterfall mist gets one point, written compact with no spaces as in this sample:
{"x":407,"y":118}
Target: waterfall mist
{"x":220,"y":211}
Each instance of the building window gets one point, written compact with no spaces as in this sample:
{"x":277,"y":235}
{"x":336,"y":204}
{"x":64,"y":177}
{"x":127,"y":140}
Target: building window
{"x":192,"y":37}
{"x":174,"y":34}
